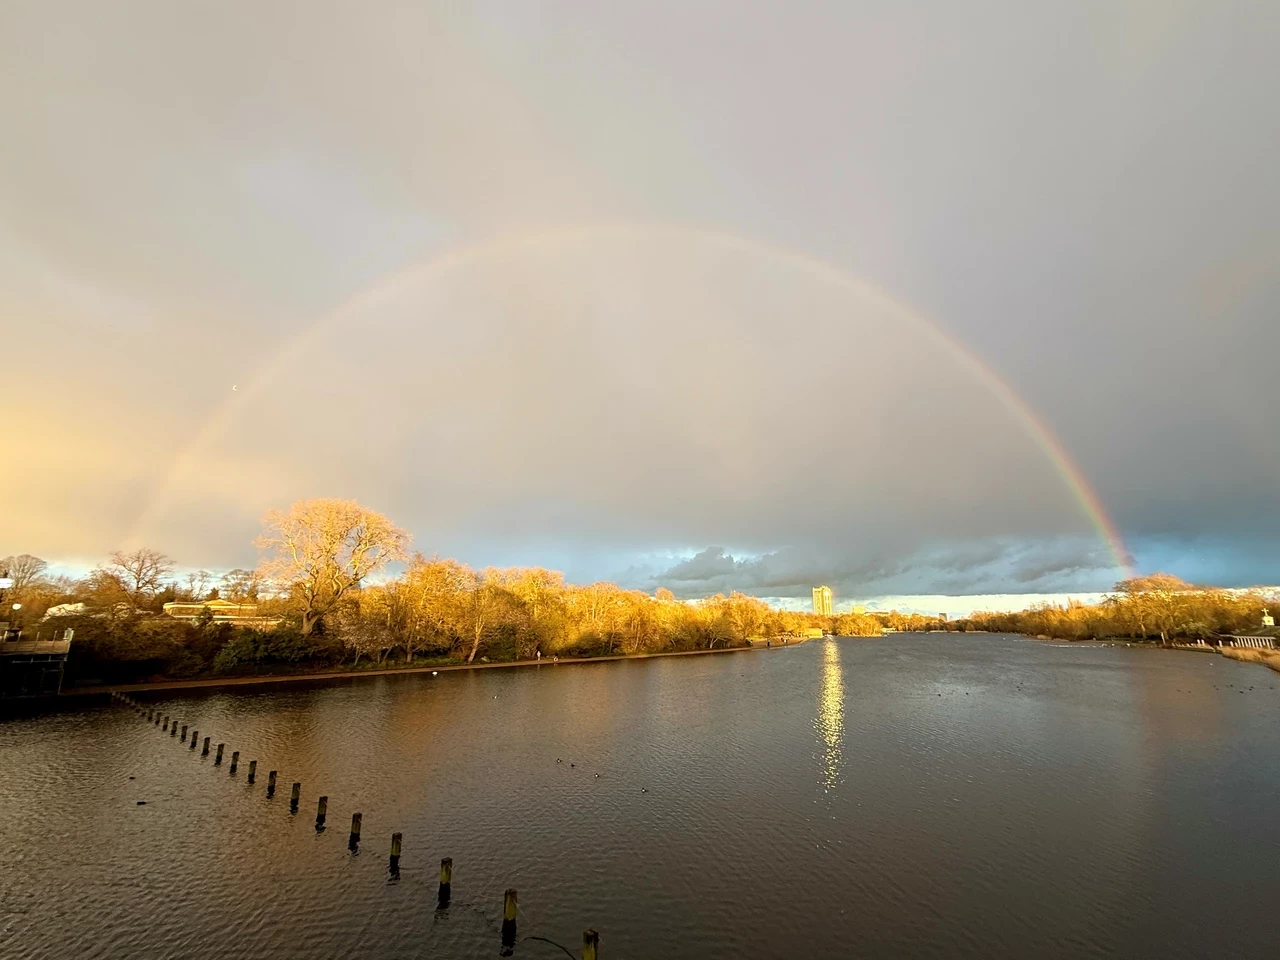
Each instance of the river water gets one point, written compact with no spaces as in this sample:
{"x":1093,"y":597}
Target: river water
{"x":914,"y":796}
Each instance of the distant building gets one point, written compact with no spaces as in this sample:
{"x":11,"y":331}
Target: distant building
{"x":859,"y":609}
{"x":223,"y":611}
{"x":66,"y":610}
{"x":1267,"y":619}
{"x":942,"y":617}
{"x":822,"y":601}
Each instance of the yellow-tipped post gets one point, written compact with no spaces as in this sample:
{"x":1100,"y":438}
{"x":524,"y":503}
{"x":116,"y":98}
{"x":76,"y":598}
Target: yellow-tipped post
{"x":394,"y":865}
{"x":508,"y":923}
{"x":590,"y":945}
{"x":354,"y":840}
{"x":446,"y":881}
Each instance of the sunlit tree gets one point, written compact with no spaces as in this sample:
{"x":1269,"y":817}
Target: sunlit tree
{"x":324,"y":548}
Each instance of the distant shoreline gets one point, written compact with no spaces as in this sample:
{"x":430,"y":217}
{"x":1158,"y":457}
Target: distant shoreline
{"x":214,"y":682}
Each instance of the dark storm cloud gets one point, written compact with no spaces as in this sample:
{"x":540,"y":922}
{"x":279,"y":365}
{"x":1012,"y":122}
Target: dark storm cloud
{"x":1084,"y":195}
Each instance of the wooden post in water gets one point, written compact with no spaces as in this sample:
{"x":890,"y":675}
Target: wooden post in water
{"x":446,"y":881}
{"x":205,"y":751}
{"x":271,"y":784}
{"x":508,"y":923}
{"x":293,"y":798}
{"x":195,"y":735}
{"x":173,"y":729}
{"x":217,"y":760}
{"x":394,"y":865}
{"x":322,"y":807}
{"x":157,"y":717}
{"x":184,"y":733}
{"x":590,"y":945}
{"x":235,"y":758}
{"x":354,"y":840}
{"x":253,"y":770}
{"x":164,"y":728}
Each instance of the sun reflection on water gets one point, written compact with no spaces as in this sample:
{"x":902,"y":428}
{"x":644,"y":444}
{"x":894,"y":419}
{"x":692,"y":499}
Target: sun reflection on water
{"x":830,"y":719}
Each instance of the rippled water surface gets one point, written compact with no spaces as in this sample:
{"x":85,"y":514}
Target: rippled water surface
{"x":909,"y":797}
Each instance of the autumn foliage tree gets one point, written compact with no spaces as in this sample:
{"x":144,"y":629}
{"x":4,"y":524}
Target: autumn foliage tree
{"x":322,"y":549}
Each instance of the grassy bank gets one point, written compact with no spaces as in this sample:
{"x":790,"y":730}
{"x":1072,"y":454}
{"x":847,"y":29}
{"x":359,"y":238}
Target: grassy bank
{"x":1269,"y":658}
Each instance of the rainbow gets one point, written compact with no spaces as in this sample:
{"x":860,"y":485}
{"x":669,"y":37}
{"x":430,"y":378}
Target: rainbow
{"x":386,"y":289}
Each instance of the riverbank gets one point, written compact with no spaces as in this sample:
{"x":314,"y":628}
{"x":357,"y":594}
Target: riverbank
{"x":1268,"y":658}
{"x":356,"y":673}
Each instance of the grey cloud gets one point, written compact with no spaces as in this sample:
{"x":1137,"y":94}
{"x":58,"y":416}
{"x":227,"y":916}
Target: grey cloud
{"x":1083,"y":196}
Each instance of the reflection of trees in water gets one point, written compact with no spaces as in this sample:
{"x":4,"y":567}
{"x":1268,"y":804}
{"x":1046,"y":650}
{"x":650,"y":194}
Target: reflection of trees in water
{"x":830,"y":719}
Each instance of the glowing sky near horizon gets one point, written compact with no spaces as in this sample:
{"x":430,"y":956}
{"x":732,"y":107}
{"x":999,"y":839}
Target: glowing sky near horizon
{"x":1084,"y":195}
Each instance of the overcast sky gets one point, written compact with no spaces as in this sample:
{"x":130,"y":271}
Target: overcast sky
{"x":704,"y":295}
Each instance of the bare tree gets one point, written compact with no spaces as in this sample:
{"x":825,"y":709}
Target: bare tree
{"x":323,"y":548}
{"x":198,"y":584}
{"x":240,"y":585}
{"x":140,"y":573}
{"x":23,"y":569}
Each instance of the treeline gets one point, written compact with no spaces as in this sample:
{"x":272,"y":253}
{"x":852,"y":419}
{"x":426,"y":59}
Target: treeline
{"x":317,"y":588}
{"x":1160,"y":608}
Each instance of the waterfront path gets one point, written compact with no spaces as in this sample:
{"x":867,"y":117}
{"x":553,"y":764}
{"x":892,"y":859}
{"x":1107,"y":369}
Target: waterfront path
{"x":162,"y":685}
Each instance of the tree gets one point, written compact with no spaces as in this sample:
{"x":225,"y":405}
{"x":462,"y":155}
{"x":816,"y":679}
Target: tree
{"x":433,"y":594}
{"x":23,"y":570}
{"x":324,"y":548}
{"x":240,"y":585}
{"x":481,"y":607}
{"x":140,"y":573}
{"x":198,"y":584}
{"x":1155,"y":601}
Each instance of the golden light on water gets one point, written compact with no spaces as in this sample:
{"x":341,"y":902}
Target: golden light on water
{"x":830,"y":719}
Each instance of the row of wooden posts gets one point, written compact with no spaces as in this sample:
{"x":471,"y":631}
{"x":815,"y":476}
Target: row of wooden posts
{"x":590,"y":939}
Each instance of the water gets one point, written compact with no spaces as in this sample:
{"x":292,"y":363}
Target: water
{"x":934,"y":796}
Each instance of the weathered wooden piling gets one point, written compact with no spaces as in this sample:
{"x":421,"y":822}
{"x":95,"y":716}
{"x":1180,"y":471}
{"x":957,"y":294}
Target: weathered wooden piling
{"x":394,"y":865}
{"x":205,"y":751}
{"x":235,"y":759}
{"x":157,"y":719}
{"x":195,"y":735}
{"x":508,"y":923}
{"x":293,"y":797}
{"x":354,"y":840}
{"x":590,"y":945}
{"x":164,"y":727}
{"x":446,"y":883}
{"x":271,"y":784}
{"x":217,"y":760}
{"x":322,"y":808}
{"x":253,"y":770}
{"x":173,"y":729}
{"x":184,"y":732}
